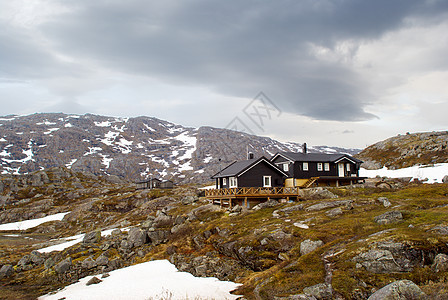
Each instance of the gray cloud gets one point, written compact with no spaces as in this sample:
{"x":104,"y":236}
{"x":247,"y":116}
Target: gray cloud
{"x":236,"y":47}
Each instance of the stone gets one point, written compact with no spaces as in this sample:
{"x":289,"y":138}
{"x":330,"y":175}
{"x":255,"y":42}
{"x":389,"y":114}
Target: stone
{"x":137,"y":237}
{"x":334,"y":212}
{"x":328,"y":204}
{"x":380,"y":261}
{"x":93,"y":280}
{"x":162,"y":221}
{"x":445,"y":179}
{"x":384,"y":201}
{"x":399,"y":290}
{"x":6,"y":271}
{"x":189,"y":200}
{"x":309,"y":246}
{"x":158,"y":236}
{"x":266,"y":204}
{"x":102,"y":260}
{"x":440,"y":229}
{"x":389,"y":217}
{"x":319,"y":291}
{"x":49,"y":263}
{"x":88,"y":263}
{"x":63,"y":266}
{"x":440,"y":263}
{"x":92,"y":237}
{"x":316,"y":193}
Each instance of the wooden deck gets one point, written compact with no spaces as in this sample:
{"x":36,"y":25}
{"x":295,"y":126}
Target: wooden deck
{"x":225,"y":197}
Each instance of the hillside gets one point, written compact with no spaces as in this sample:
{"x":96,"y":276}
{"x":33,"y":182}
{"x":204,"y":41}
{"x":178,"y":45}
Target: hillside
{"x":407,"y":150}
{"x":340,"y":243}
{"x":131,"y":148}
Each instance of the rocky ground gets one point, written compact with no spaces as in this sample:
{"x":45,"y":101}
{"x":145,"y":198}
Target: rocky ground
{"x":381,"y":240}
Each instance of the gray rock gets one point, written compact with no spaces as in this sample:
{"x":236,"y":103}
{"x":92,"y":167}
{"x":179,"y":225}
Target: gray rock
{"x":158,"y":236}
{"x":296,"y":297}
{"x":328,"y":204}
{"x":317,"y":193}
{"x":102,"y":260}
{"x":116,"y":232}
{"x":6,"y":271}
{"x":49,"y":263}
{"x":381,"y":262}
{"x":440,"y":229}
{"x":88,"y":263}
{"x":389,"y":217}
{"x":93,"y":280}
{"x":163,"y":221}
{"x":334,"y":212}
{"x":92,"y":237}
{"x":137,"y":237}
{"x":189,"y":200}
{"x":267,"y":204}
{"x":445,"y":179}
{"x":399,"y":290}
{"x":309,"y":246}
{"x":384,"y":201}
{"x":63,"y":266}
{"x":319,"y":291}
{"x":440,"y":263}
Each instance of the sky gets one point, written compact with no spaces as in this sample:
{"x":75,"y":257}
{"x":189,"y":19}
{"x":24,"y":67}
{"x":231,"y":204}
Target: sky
{"x":345,"y":73}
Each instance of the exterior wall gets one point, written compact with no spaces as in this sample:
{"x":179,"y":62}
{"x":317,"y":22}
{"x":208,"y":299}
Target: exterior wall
{"x":279,"y":161}
{"x":254,"y":176}
{"x":313,"y":170}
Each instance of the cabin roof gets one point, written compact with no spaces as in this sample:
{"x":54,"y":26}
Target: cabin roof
{"x":239,"y":167}
{"x":316,"y":157}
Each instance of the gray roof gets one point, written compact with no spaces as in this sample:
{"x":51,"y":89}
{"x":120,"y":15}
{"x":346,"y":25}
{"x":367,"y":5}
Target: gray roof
{"x":238,"y":167}
{"x":316,"y":157}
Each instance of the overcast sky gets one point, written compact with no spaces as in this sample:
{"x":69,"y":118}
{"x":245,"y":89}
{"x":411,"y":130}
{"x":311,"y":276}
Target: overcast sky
{"x":334,"y":72}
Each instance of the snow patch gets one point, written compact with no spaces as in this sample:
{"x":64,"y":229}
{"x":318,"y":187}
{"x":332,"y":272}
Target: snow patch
{"x":434,"y":174}
{"x":23,"y":225}
{"x":50,"y":130}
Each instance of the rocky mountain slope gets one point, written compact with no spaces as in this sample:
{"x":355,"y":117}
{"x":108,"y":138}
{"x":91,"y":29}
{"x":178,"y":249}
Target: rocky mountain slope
{"x":131,"y":148}
{"x":340,"y":243}
{"x":407,"y":150}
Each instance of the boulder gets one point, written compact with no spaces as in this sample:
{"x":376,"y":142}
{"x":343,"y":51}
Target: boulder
{"x":389,"y":217}
{"x":334,"y":212}
{"x":440,"y":229}
{"x":63,"y":266}
{"x":92,"y":237}
{"x":267,"y":204}
{"x":309,"y":246}
{"x":162,"y":220}
{"x":137,"y":237}
{"x":158,"y":236}
{"x":6,"y":271}
{"x":288,"y":210}
{"x":93,"y":280}
{"x":316,"y":193}
{"x":319,"y":291}
{"x":88,"y":263}
{"x":384,"y":201}
{"x":381,"y":261}
{"x":399,"y":290}
{"x":189,"y":200}
{"x":445,"y":179}
{"x":440,"y":263}
{"x":102,"y":260}
{"x":49,"y":263}
{"x":328,"y":204}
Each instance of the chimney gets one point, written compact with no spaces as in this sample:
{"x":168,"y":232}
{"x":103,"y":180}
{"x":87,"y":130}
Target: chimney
{"x":250,"y":155}
{"x":304,"y":148}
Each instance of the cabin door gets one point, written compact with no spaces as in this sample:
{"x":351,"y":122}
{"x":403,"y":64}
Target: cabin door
{"x":341,"y":169}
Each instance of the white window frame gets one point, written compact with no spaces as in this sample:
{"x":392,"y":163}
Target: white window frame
{"x":224,"y":181}
{"x":233,"y":182}
{"x":327,"y":167}
{"x":320,"y":167}
{"x":269,"y":184}
{"x":285,"y":167}
{"x":305,"y":166}
{"x":347,"y":167}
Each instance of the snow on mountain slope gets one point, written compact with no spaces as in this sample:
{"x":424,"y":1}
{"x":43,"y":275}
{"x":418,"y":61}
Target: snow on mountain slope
{"x":132,"y":148}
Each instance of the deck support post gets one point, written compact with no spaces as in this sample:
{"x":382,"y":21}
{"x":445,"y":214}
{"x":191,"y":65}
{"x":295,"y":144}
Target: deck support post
{"x":245,"y":202}
{"x":220,"y":203}
{"x":230,"y":203}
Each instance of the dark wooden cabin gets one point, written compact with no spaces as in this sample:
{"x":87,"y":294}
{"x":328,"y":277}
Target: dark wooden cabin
{"x":154,"y":183}
{"x":250,"y":173}
{"x":325,"y":169}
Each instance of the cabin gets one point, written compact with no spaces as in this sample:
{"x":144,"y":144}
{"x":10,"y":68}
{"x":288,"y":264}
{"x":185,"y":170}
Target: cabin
{"x":250,"y":182}
{"x":318,"y":169}
{"x":154,"y":183}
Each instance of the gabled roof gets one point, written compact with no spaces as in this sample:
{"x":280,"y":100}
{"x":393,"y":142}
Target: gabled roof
{"x":315,"y":157}
{"x":237,"y":168}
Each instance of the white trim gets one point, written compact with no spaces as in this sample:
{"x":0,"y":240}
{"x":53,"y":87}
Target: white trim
{"x":285,"y":167}
{"x":344,"y":157}
{"x":327,"y":167}
{"x":233,"y":182}
{"x":264,"y":181}
{"x":305,"y":166}
{"x":320,"y":167}
{"x":224,"y":181}
{"x":279,"y":154}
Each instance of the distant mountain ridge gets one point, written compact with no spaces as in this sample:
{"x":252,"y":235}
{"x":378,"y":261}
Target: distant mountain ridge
{"x":402,"y":151}
{"x":131,"y":148}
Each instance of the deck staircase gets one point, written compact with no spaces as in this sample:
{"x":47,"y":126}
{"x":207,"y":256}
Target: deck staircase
{"x":309,"y":182}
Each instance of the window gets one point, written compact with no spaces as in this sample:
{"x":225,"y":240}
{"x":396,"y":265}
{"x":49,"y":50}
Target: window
{"x":224,"y":181}
{"x":286,"y":167}
{"x":305,"y":166}
{"x":319,"y":167}
{"x":233,"y":182}
{"x":327,"y":167}
{"x":347,"y":167}
{"x":267,"y":181}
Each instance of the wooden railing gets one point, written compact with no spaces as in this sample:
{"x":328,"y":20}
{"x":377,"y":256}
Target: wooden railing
{"x":253,"y":191}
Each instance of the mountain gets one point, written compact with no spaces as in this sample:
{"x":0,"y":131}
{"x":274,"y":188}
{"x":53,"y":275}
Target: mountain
{"x":407,"y":150}
{"x":131,"y":148}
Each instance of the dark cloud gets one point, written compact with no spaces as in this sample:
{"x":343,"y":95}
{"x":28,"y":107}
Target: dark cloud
{"x":237,"y":47}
